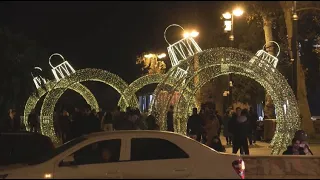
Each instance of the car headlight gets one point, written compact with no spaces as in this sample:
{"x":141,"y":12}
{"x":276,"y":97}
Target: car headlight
{"x":3,"y":176}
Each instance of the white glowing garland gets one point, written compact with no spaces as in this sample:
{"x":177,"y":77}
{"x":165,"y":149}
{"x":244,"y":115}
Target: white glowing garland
{"x":210,"y":62}
{"x":47,"y":109}
{"x":35,"y":97}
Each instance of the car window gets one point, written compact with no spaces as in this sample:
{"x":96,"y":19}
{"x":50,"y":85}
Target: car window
{"x":57,"y":150}
{"x":99,"y":152}
{"x":155,"y":149}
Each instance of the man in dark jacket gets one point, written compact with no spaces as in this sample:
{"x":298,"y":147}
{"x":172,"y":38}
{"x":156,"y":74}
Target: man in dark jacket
{"x":78,"y":125}
{"x":194,"y":126}
{"x":220,"y":122}
{"x":240,"y":132}
{"x":233,"y":121}
{"x":65,"y":124}
{"x":124,"y":120}
{"x":95,"y":123}
{"x":170,"y":119}
{"x":90,"y":121}
{"x":253,"y":117}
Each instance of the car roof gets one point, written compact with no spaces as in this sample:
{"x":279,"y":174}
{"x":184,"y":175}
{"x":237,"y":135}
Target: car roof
{"x":135,"y":132}
{"x":27,"y":133}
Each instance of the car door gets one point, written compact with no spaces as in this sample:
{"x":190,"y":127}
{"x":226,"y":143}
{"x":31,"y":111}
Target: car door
{"x":97,"y":160}
{"x":157,"y":158}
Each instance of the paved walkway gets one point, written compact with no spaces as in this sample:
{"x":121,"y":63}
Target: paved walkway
{"x":262,"y":148}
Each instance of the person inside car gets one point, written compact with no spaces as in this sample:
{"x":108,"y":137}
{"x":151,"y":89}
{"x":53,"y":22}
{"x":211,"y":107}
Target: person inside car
{"x":294,"y":148}
{"x":106,"y":155}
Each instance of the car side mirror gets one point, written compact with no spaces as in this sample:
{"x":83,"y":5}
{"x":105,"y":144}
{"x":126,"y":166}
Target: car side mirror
{"x":68,"y":161}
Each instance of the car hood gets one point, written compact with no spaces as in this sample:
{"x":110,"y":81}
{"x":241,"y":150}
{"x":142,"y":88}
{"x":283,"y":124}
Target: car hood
{"x":12,"y":167}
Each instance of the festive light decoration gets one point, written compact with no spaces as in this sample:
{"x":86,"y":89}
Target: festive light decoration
{"x":267,"y":60}
{"x":38,"y":80}
{"x":191,"y":69}
{"x":62,"y":70}
{"x":238,"y":62}
{"x":35,"y":97}
{"x":182,"y":49}
{"x":141,"y":82}
{"x":47,"y":109}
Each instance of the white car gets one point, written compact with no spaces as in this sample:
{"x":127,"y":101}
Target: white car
{"x":131,"y":154}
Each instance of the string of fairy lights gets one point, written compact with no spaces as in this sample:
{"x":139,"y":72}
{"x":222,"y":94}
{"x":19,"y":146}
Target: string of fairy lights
{"x":47,"y":108}
{"x":199,"y":67}
{"x":67,"y":78}
{"x":237,"y":61}
{"x":34,"y":98}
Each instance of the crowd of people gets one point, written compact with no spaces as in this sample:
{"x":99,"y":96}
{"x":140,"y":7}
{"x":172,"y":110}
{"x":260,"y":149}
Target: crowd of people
{"x":238,"y":128}
{"x":86,"y":121}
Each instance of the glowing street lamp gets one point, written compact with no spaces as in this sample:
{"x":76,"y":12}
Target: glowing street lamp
{"x":159,"y":56}
{"x":149,"y":55}
{"x":190,"y":34}
{"x":229,"y":27}
{"x":194,"y":33}
{"x":226,"y":15}
{"x":237,"y":12}
{"x":229,"y":23}
{"x":162,"y":55}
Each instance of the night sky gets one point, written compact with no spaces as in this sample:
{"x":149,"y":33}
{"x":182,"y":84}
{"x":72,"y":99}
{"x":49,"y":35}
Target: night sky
{"x":107,"y":35}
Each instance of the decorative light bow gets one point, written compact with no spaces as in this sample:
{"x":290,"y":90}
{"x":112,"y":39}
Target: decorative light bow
{"x":182,"y":49}
{"x":268,"y":60}
{"x":61,"y":70}
{"x":38,"y":80}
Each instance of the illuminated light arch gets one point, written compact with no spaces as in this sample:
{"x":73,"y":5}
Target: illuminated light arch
{"x":218,"y":61}
{"x":143,"y":81}
{"x":140,"y":83}
{"x":182,"y":118}
{"x":47,"y":109}
{"x":35,"y":97}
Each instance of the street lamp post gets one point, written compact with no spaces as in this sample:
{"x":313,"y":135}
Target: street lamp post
{"x":229,"y":27}
{"x":294,"y":49}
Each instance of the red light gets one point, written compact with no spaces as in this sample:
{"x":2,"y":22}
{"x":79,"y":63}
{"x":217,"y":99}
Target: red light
{"x":239,"y":167}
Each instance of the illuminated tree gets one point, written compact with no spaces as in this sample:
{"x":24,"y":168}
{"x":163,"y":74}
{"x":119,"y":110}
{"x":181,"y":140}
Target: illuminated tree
{"x":151,"y":64}
{"x":18,"y":56}
{"x":307,"y":123}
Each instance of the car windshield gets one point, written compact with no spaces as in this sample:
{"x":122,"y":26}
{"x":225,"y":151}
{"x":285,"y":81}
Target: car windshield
{"x":57,"y":151}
